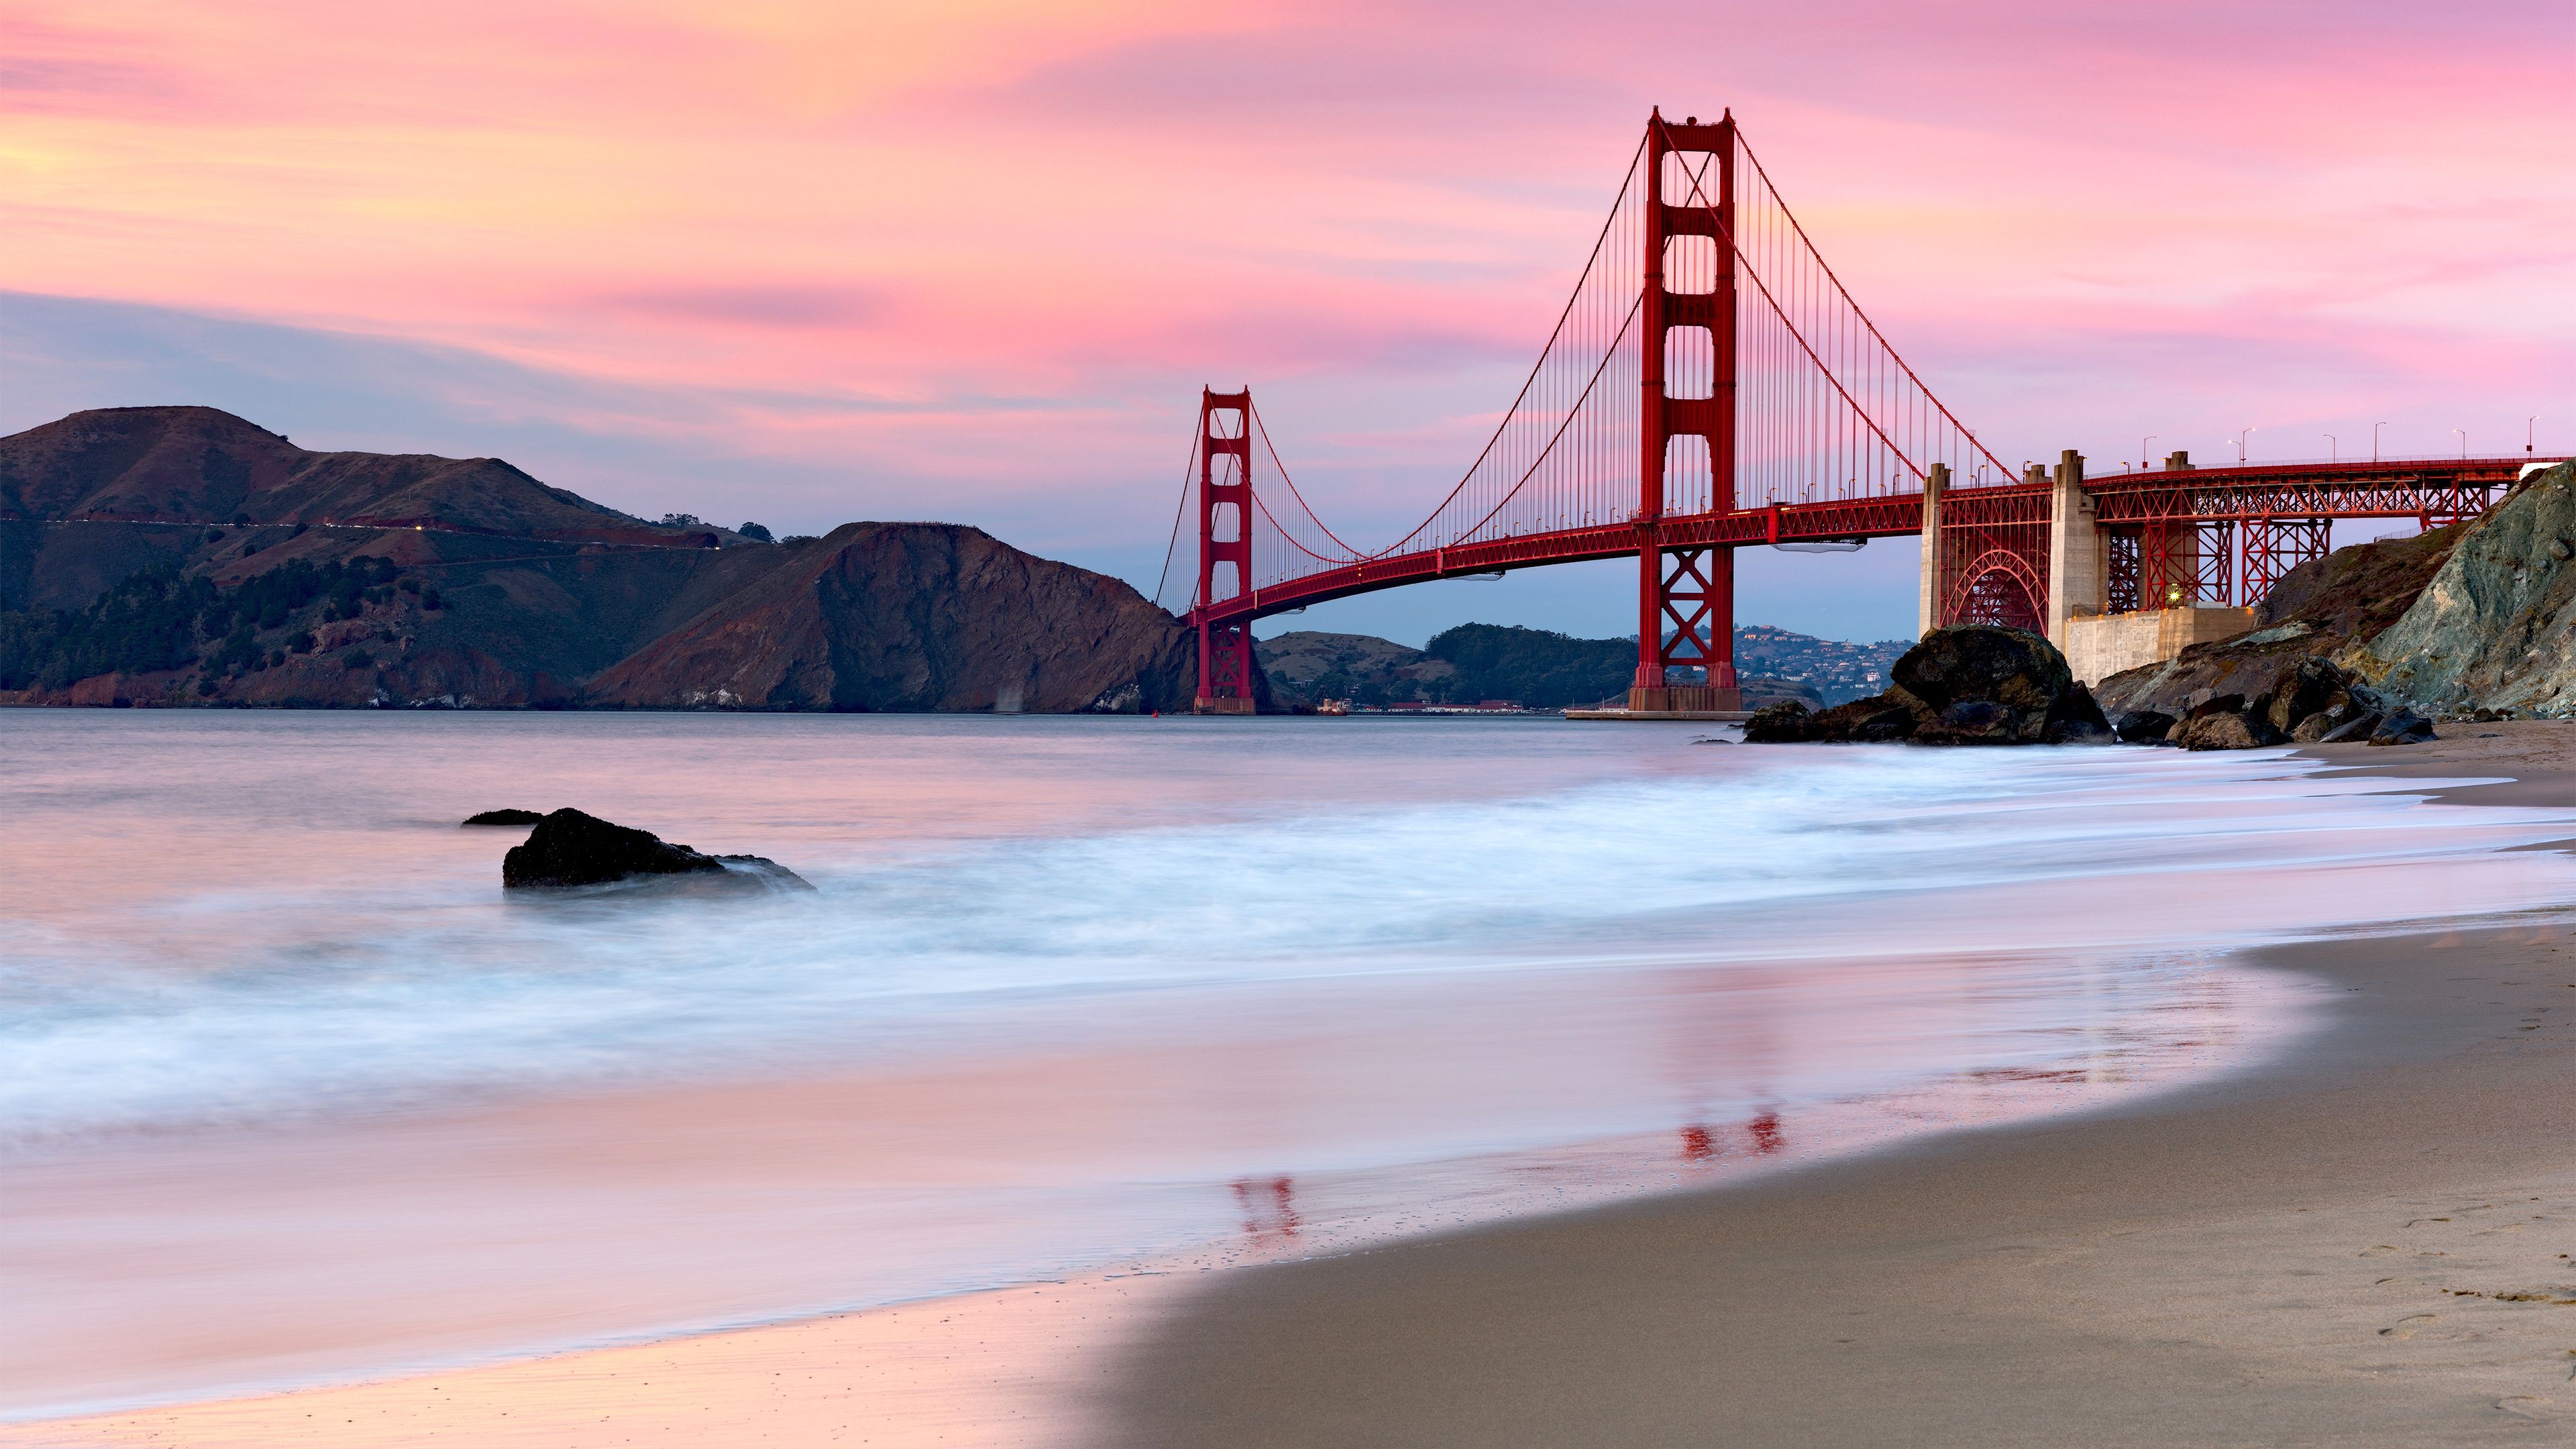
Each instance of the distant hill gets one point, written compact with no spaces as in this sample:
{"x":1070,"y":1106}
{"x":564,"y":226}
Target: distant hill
{"x":1836,"y":670}
{"x":182,"y":555}
{"x":1547,"y":670}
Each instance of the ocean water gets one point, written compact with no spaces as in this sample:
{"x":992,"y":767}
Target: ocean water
{"x":290,"y":1090}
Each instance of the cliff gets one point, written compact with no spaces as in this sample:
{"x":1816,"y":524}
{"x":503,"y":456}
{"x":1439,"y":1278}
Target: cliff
{"x":185,"y":556}
{"x":2493,"y":628}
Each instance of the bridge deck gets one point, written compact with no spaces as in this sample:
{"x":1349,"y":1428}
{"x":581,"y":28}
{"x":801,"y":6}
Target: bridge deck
{"x":2418,"y":489}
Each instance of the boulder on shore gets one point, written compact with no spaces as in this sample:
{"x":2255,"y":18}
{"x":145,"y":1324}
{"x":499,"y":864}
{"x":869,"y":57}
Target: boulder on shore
{"x":504,"y":817}
{"x":569,"y":848}
{"x":1973,"y":684}
{"x":2307,"y":700}
{"x":2405,"y":727}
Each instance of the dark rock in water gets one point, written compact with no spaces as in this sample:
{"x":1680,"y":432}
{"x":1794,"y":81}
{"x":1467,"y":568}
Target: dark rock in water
{"x":1973,"y":722}
{"x":2078,"y":732}
{"x":2143,"y":727}
{"x":1786,"y":722}
{"x":2075,"y":719}
{"x":2360,"y":727}
{"x":2403,"y":728}
{"x":1879,"y":719}
{"x":2010,"y":667}
{"x":1971,"y":685}
{"x":569,"y":848}
{"x":2220,"y":731}
{"x":504,"y":817}
{"x":765,"y":871}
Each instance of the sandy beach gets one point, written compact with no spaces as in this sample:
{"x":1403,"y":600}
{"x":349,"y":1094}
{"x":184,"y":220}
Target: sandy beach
{"x":2363,"y":1240}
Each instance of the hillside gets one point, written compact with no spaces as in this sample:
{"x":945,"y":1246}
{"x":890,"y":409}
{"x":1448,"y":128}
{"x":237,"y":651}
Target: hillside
{"x":2333,"y":606}
{"x":1543,"y":669}
{"x":186,"y":556}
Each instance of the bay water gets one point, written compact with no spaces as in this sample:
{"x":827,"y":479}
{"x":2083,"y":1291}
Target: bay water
{"x":292,"y":1091}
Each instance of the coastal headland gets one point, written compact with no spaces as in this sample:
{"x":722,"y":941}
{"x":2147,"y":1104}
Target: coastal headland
{"x":182,"y":556}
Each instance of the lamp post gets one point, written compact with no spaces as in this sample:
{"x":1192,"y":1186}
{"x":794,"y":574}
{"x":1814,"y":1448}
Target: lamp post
{"x":2241,"y":440}
{"x":2374,"y":440}
{"x":2334,"y":451}
{"x":2143,"y":453}
{"x":2464,"y":443}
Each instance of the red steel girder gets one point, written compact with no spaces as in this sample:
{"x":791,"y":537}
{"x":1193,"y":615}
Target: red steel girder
{"x":2430,"y":492}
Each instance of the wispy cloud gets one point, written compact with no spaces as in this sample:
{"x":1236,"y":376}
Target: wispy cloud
{"x":973,"y":258}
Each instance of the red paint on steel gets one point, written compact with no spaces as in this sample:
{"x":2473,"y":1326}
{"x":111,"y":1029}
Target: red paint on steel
{"x":1814,"y":429}
{"x":1225,"y":507}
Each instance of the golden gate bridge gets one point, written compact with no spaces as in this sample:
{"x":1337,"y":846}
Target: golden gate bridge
{"x":1711,"y":385}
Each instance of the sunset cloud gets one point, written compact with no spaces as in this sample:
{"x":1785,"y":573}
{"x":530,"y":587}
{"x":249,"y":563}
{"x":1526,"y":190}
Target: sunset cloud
{"x":976,"y":259}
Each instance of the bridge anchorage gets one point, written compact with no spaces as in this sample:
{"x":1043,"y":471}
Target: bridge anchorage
{"x":1710,"y":385}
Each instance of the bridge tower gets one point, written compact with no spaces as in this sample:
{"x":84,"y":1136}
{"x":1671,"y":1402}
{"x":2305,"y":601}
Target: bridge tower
{"x":1686,"y":596}
{"x":1225,"y":551}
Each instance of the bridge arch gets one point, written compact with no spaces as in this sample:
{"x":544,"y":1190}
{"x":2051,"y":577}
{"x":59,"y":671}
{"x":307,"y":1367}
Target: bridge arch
{"x":1998,"y":586}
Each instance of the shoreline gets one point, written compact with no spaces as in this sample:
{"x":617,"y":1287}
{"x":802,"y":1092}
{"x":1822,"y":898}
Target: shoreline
{"x":1562,"y":1327}
{"x":2364,"y":1240}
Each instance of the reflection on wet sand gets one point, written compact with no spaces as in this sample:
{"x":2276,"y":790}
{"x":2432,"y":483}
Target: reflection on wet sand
{"x":1269,"y":1210}
{"x":1018,"y":1368}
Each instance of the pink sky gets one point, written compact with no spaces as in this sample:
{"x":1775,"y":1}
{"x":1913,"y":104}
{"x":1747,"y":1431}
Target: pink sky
{"x":809,"y":262}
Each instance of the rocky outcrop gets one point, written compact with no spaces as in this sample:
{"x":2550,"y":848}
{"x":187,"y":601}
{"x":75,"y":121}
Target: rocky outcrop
{"x":2306,"y":700}
{"x":2496,"y":627}
{"x":569,"y":848}
{"x":889,"y":616}
{"x":2333,"y":607}
{"x":1969,"y":685}
{"x":504,"y":817}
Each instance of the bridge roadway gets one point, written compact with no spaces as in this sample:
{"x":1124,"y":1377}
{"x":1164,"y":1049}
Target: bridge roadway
{"x":2430,"y":491}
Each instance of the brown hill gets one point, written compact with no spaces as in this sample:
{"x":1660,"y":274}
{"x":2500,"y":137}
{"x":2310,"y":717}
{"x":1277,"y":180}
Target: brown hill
{"x":204,"y":466}
{"x":914,"y":616}
{"x":502,"y":591}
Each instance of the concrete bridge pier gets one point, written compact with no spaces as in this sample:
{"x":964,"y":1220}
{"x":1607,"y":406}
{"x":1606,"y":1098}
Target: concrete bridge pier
{"x":1936,"y":582}
{"x":2079,"y":564}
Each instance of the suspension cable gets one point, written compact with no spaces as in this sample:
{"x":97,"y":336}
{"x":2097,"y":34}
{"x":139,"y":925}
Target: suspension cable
{"x":1163,"y":580}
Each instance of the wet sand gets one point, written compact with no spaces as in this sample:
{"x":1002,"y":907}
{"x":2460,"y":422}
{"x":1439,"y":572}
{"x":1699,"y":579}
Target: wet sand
{"x":2365,"y":1241}
{"x":2362,"y":1242}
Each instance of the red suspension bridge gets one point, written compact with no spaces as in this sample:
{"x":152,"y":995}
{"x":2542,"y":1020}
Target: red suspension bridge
{"x":1711,"y":385}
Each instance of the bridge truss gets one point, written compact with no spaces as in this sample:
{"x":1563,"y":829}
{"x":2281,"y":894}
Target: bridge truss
{"x":1710,"y":385}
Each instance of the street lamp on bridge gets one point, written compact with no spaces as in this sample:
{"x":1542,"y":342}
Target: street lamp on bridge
{"x":2374,"y":440}
{"x":2334,"y":450}
{"x":2464,"y":441}
{"x":2241,"y":440}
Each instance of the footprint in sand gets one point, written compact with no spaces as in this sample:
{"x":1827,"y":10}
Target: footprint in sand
{"x":2532,"y":1407}
{"x":2410,"y":1325}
